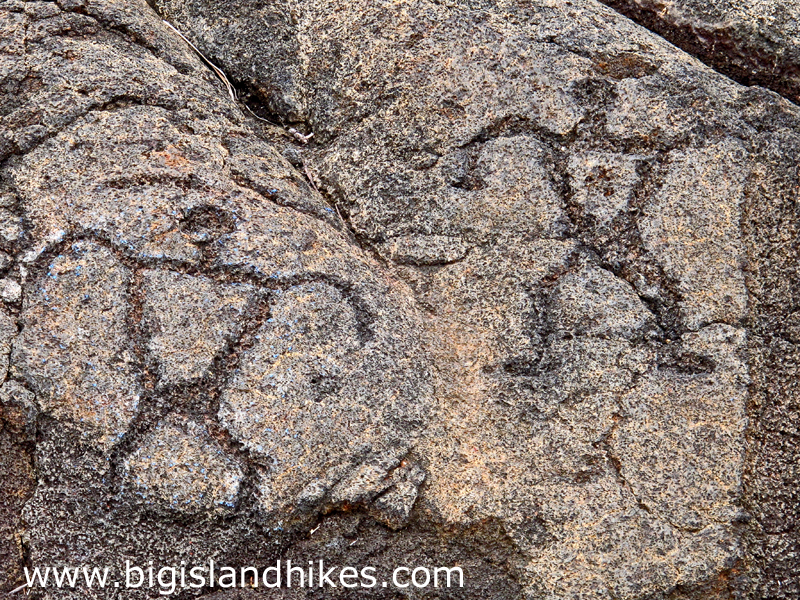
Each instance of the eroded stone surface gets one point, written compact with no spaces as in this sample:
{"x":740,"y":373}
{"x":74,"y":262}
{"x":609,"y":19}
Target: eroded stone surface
{"x":8,"y":331}
{"x":74,"y":349}
{"x":17,"y":431}
{"x":566,"y":245}
{"x":753,"y":41}
{"x":568,"y":251}
{"x":151,"y":214}
{"x":695,"y":403}
{"x":603,"y":185}
{"x":179,"y":468}
{"x":692,"y":228}
{"x":319,"y":393}
{"x":190,"y":320}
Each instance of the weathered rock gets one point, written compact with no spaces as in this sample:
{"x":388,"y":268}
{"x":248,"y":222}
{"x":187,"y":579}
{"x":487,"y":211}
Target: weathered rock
{"x":8,"y":332}
{"x":74,"y":349}
{"x":752,"y":41}
{"x":550,"y":275}
{"x":10,"y":291}
{"x":771,"y":481}
{"x":164,"y":246}
{"x":706,"y":186}
{"x":494,"y":143}
{"x":681,"y":426}
{"x":318,"y":394}
{"x":17,"y":432}
{"x":393,"y":506}
{"x":179,"y":468}
{"x":191,"y":320}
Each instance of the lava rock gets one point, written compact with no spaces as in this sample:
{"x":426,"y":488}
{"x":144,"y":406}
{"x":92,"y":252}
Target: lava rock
{"x":525,"y":302}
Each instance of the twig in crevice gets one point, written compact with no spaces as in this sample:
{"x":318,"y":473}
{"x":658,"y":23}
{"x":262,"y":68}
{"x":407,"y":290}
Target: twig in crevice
{"x":217,"y":71}
{"x":19,"y":589}
{"x":310,"y":179}
{"x":299,"y":136}
{"x":250,"y":110}
{"x":232,"y":90}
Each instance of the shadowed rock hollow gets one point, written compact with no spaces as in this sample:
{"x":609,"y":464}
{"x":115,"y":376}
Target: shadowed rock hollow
{"x":525,"y":303}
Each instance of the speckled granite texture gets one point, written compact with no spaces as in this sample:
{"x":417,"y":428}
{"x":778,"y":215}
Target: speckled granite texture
{"x":757,"y":42}
{"x":524,"y":303}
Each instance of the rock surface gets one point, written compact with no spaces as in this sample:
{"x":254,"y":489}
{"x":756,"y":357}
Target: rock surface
{"x":524,"y":303}
{"x":179,"y":468}
{"x":753,"y":41}
{"x":72,"y":350}
{"x":191,"y":320}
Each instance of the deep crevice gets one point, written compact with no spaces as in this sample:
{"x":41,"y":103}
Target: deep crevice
{"x":720,"y":48}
